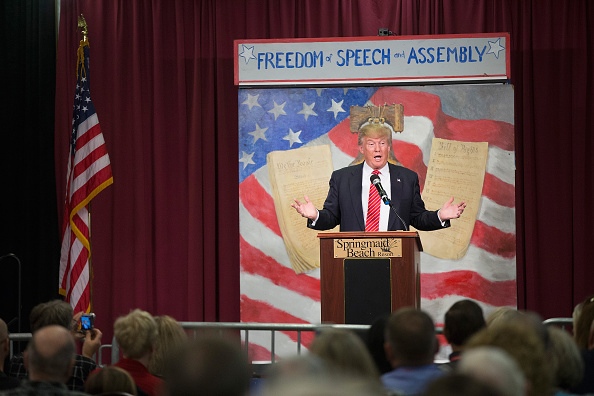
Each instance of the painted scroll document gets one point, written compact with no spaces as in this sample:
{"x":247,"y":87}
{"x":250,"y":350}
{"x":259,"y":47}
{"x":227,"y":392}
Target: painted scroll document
{"x":456,"y":169}
{"x":293,"y":174}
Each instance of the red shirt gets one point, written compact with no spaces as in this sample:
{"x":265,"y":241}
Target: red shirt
{"x":145,"y":380}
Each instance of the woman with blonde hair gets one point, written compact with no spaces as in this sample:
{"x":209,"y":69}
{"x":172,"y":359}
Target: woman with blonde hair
{"x":171,"y":337}
{"x":344,"y":352}
{"x":136,"y":335}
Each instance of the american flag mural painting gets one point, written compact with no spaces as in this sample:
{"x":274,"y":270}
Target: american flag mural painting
{"x":89,"y":172}
{"x":284,"y":119}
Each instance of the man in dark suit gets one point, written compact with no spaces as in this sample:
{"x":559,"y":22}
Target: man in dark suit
{"x":347,"y":201}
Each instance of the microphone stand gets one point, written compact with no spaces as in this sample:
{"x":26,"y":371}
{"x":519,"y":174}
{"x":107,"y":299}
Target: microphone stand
{"x":389,"y":202}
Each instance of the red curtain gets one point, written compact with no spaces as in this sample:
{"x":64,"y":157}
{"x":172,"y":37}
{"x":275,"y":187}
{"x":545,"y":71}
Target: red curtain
{"x":165,"y":235}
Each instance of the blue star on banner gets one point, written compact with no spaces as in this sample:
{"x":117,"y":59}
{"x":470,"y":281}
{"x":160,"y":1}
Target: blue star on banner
{"x":248,"y":53}
{"x":495,"y":48}
{"x":273,"y":119}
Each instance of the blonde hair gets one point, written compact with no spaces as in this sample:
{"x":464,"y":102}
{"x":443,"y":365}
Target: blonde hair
{"x":374,"y":131}
{"x":583,"y":318}
{"x":524,"y":345}
{"x":171,"y":336}
{"x":566,"y":361}
{"x":136,"y":333}
{"x":502,"y":315}
{"x":110,"y":380}
{"x":344,"y":351}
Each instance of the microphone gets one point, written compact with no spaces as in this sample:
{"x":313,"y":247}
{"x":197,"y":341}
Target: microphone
{"x":375,"y":180}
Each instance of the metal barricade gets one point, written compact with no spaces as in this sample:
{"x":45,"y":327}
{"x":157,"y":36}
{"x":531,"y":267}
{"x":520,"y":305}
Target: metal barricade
{"x":561,"y":322}
{"x":197,"y":328}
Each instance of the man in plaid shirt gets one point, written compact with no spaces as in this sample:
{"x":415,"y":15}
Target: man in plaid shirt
{"x":58,"y":312}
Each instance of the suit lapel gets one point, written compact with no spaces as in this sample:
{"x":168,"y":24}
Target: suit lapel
{"x":355,"y":193}
{"x":395,"y":193}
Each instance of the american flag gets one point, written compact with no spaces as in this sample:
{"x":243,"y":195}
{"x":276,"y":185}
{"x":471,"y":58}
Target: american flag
{"x":89,"y":172}
{"x":282,"y":119}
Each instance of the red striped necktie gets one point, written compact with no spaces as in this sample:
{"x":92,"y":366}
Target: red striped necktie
{"x":373,"y":207}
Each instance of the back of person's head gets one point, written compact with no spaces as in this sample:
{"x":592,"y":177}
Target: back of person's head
{"x":375,"y":340}
{"x":566,"y":361}
{"x":136,"y":333}
{"x":503,"y":314}
{"x":296,"y":367}
{"x":526,"y":347}
{"x":462,"y":320}
{"x":410,"y":338}
{"x":456,"y":384}
{"x":50,"y":354}
{"x":171,"y":336}
{"x":328,"y":385}
{"x":345,"y":352}
{"x":583,"y":321}
{"x":528,"y":319}
{"x":209,"y":366}
{"x":54,"y":312}
{"x":496,"y":367}
{"x":110,"y":380}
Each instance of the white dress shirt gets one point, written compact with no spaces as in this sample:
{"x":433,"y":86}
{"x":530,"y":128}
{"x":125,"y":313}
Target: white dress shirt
{"x":384,"y":176}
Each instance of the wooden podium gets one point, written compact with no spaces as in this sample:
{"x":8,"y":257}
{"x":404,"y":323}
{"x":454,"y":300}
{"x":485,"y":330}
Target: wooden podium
{"x":365,"y":275}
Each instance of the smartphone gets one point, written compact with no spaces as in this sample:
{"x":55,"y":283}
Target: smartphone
{"x":87,"y":322}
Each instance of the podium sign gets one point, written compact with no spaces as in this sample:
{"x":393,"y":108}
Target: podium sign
{"x":370,"y":248}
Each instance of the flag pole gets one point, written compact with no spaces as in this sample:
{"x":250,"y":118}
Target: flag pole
{"x":90,"y":307}
{"x":82,"y":25}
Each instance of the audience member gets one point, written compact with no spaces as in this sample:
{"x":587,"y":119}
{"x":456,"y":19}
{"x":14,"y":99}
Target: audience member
{"x":565,"y":360}
{"x":210,"y":366}
{"x":345,"y":353}
{"x":136,"y":335}
{"x":375,"y":344}
{"x":6,"y":382}
{"x":411,"y":345}
{"x":525,"y":319}
{"x":583,"y":315}
{"x":110,"y":380}
{"x":523,"y":344}
{"x":494,"y":366}
{"x":461,"y":321}
{"x":310,"y":375}
{"x":49,"y":359}
{"x":171,"y":336}
{"x":331,"y":385}
{"x":58,"y":312}
{"x":586,"y":386}
{"x":502,"y":314}
{"x":456,"y":384}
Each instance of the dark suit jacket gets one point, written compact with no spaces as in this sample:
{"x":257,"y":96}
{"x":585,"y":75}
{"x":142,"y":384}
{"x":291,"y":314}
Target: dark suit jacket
{"x":343,"y":205}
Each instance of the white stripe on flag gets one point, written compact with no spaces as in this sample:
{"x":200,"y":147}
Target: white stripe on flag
{"x":498,"y":216}
{"x":80,"y":285}
{"x":84,"y":177}
{"x":259,"y":288}
{"x":261,"y":237}
{"x":497,"y":269}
